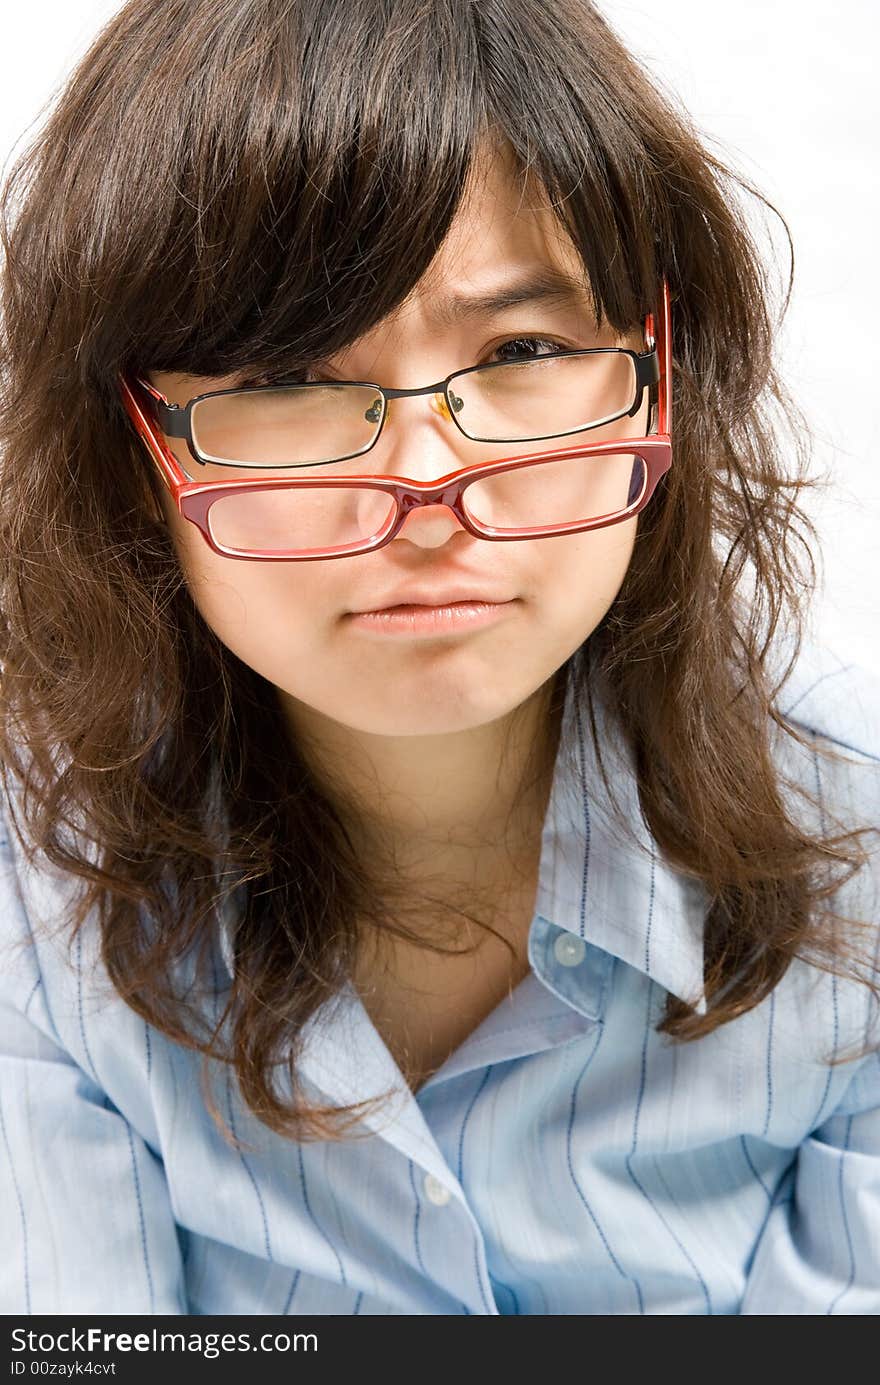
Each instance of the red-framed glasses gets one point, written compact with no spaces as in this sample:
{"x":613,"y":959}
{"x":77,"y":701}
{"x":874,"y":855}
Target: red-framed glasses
{"x":535,"y":494}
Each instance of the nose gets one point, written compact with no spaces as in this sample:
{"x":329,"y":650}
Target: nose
{"x":423,"y":448}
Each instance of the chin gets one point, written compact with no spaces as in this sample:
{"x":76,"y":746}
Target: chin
{"x":430,"y":712}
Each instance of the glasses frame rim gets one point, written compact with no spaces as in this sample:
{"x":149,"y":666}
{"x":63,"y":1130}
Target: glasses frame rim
{"x":176,"y":420}
{"x":194,"y":499}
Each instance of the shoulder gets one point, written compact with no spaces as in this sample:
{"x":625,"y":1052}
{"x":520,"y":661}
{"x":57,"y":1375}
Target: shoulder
{"x":832,"y":784}
{"x":60,"y":976}
{"x":59,"y":982}
{"x":15,"y":929}
{"x":833,"y":705}
{"x":834,"y":698}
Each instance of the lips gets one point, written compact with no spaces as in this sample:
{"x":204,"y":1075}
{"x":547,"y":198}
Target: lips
{"x":436,"y":596}
{"x":456,"y":620}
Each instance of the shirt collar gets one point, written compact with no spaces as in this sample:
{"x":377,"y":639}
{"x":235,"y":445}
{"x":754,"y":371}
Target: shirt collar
{"x":603,"y":876}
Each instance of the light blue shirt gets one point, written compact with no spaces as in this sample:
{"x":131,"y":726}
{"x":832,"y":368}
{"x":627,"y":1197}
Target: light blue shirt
{"x":566,"y":1159}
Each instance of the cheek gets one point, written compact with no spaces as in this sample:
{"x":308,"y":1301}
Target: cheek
{"x":268,"y":614}
{"x":583,"y":576}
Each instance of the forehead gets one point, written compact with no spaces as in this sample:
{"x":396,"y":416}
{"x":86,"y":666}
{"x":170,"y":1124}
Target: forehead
{"x":504,"y":223}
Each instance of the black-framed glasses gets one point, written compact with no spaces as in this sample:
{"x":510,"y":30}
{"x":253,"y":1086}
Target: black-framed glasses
{"x":307,"y":424}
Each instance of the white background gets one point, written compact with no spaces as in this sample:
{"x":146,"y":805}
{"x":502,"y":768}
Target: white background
{"x":788,"y":94}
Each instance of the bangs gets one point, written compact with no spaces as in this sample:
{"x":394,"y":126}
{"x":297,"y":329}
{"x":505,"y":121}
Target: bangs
{"x":291,"y":185}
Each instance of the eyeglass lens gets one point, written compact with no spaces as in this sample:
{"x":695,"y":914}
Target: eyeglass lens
{"x":535,"y":497}
{"x":517,"y":401}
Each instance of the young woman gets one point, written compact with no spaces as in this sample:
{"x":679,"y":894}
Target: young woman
{"x":437,"y":880}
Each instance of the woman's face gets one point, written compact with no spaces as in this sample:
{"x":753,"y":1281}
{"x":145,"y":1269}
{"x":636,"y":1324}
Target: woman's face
{"x":294,"y":623}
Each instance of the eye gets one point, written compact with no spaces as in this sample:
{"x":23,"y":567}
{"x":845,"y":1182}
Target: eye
{"x":524,"y":348}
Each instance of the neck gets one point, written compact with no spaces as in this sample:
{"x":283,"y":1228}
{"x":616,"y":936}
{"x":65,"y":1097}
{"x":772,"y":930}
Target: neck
{"x":439,"y":805}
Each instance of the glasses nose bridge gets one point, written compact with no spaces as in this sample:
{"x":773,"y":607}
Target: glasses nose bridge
{"x":438,"y":401}
{"x":446,"y":493}
{"x":438,"y":387}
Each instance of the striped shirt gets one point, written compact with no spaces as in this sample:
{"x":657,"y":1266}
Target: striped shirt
{"x":565,"y":1159}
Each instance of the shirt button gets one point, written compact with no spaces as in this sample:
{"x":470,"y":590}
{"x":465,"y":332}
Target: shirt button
{"x":436,"y":1191}
{"x":569,"y":950}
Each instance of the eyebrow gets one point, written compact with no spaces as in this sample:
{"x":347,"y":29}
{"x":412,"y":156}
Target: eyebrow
{"x":549,"y":286}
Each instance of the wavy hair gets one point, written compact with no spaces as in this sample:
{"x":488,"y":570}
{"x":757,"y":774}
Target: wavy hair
{"x":229,"y":183}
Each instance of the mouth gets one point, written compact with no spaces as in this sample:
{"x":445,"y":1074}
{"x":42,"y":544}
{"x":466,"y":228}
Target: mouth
{"x":451,"y":618}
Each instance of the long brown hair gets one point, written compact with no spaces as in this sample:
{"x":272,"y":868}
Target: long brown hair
{"x":224,"y":183}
